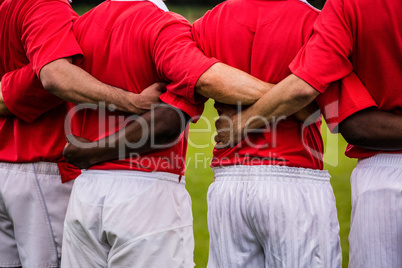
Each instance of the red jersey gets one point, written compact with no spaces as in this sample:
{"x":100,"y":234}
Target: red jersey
{"x":32,"y":34}
{"x":342,"y":99}
{"x":360,"y":35}
{"x":262,"y":38}
{"x":131,"y":45}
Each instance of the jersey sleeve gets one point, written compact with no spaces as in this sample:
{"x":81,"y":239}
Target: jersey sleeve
{"x":24,"y":95}
{"x":342,"y":99}
{"x":194,"y":111}
{"x":180,"y":61}
{"x":325,"y":57}
{"x":196,"y":34}
{"x":46,"y":32}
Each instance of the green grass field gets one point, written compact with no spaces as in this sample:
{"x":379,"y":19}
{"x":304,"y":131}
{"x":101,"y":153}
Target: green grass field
{"x":198,"y":179}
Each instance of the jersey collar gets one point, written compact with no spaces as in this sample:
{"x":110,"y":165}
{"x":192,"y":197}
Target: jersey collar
{"x":158,"y":3}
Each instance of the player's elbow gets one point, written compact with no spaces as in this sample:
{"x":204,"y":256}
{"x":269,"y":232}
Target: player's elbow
{"x":52,"y":75}
{"x":48,"y":78}
{"x":302,"y":92}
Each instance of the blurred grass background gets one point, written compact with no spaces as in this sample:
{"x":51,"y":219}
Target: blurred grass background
{"x":199,"y":175}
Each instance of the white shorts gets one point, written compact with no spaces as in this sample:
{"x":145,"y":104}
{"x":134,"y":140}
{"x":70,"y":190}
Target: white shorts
{"x":272,"y":216}
{"x":128,"y":219}
{"x":33,"y":203}
{"x":376,"y":223}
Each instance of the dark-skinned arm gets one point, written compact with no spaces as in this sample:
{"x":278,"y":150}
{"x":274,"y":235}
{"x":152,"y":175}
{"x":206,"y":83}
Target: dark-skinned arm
{"x":373,"y":129}
{"x":159,"y":127}
{"x":3,"y":107}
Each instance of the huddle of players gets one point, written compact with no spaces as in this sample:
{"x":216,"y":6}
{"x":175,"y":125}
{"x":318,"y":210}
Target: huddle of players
{"x":279,"y":212}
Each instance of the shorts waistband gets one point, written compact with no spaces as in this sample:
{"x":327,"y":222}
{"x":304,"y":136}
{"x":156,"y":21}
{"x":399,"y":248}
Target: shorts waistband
{"x":262,"y":173}
{"x":390,"y":160}
{"x":47,"y":168}
{"x":135,"y":173}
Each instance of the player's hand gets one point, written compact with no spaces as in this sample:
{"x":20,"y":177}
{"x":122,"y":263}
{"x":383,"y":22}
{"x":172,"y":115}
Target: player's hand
{"x":80,"y":152}
{"x":150,"y":96}
{"x":229,"y":130}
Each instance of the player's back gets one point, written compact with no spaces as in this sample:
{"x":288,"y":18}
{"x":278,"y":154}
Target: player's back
{"x":259,"y":37}
{"x":364,"y":36}
{"x":26,"y":136}
{"x":131,"y":45}
{"x":116,"y":38}
{"x":377,"y":54}
{"x":262,"y":38}
{"x":377,"y":48}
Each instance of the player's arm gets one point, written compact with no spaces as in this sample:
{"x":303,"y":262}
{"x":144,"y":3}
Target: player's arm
{"x":331,"y":45}
{"x":229,"y":85}
{"x":194,"y":75}
{"x":159,"y":127}
{"x":23,"y":94}
{"x":373,"y":129}
{"x":215,"y":80}
{"x":3,"y":107}
{"x":73,"y":84}
{"x":287,"y":97}
{"x":49,"y":43}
